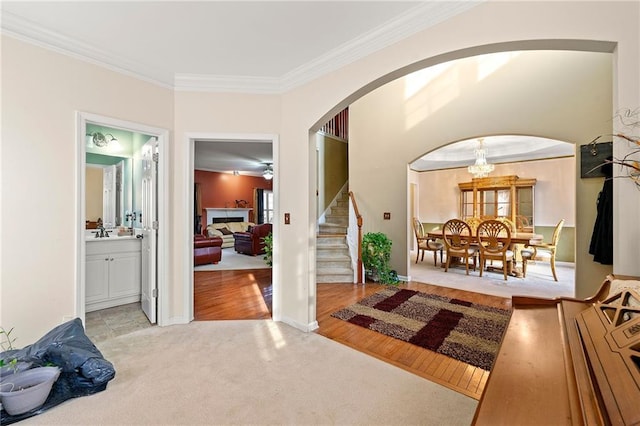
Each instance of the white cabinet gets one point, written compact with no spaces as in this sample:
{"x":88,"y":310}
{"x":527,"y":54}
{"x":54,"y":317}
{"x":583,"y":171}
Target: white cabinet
{"x":113,"y":272}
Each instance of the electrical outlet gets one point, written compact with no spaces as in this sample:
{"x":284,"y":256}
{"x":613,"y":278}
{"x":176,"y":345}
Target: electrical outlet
{"x":387,"y":215}
{"x":287,"y":219}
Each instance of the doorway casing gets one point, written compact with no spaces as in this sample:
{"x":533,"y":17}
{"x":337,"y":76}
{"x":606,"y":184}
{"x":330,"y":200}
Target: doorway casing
{"x":190,"y":140}
{"x":162,"y":135}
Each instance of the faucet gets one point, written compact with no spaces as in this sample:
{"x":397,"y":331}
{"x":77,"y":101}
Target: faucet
{"x":102,"y":233}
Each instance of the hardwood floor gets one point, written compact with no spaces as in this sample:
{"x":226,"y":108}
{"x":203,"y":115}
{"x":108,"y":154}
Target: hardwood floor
{"x":451,"y":373}
{"x":246,"y":294}
{"x":232,"y":295}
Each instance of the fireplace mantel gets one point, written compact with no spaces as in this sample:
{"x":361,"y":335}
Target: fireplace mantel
{"x":227,"y":212}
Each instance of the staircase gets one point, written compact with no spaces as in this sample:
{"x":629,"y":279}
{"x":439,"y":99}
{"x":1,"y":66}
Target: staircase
{"x":333,"y":262}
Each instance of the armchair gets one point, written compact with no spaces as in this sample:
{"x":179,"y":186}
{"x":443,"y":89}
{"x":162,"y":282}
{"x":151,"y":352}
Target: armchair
{"x":424,"y":243}
{"x":206,"y":250}
{"x":252,"y":241}
{"x":532,"y":251}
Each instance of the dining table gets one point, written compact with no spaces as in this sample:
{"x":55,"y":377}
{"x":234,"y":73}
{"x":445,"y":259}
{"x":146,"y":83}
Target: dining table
{"x":517,"y":238}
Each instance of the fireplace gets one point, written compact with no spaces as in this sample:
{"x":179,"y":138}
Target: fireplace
{"x":227,"y":215}
{"x":227,"y":219}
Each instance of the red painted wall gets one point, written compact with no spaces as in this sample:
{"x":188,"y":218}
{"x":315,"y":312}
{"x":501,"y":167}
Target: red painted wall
{"x":223,"y":189}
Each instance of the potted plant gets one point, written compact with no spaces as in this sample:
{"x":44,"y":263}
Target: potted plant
{"x":22,"y":388}
{"x":268,"y":249}
{"x":8,"y":364}
{"x":376,"y":255}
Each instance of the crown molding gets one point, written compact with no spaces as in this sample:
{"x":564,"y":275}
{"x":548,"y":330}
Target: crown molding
{"x":30,"y":32}
{"x":424,"y":15}
{"x":224,"y":83}
{"x":421,"y":17}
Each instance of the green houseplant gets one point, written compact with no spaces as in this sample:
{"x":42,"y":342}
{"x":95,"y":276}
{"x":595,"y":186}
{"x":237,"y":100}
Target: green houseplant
{"x":268,"y":249}
{"x":376,"y":255}
{"x":22,"y":388}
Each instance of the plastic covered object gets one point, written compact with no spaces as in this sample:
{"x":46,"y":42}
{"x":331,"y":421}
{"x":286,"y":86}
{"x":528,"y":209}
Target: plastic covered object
{"x":84,"y":370}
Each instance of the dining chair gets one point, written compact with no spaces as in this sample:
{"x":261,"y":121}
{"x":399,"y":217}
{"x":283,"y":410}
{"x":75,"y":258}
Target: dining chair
{"x":522,"y":223}
{"x":530,"y":252}
{"x":508,"y":222}
{"x":473,"y":223}
{"x":494,"y":240}
{"x":457,"y":238}
{"x":425,"y":243}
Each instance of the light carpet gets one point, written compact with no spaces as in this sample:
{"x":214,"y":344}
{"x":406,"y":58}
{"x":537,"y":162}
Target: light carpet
{"x":254,"y":372}
{"x":539,"y":281}
{"x":231,"y":260}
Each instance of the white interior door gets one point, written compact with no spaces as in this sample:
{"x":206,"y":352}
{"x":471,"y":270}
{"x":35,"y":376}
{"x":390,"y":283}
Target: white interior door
{"x":149,"y":213}
{"x":109,"y":196}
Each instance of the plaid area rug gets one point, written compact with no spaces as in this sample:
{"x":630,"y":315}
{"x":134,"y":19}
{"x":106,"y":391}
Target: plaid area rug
{"x":456,"y":328}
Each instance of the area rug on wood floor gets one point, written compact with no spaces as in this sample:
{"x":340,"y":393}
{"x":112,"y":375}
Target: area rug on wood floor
{"x":456,"y":328}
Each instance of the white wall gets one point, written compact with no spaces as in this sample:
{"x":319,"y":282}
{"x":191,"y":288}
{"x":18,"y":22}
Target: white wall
{"x":41,"y":91}
{"x":555,"y":94}
{"x":555,"y":197}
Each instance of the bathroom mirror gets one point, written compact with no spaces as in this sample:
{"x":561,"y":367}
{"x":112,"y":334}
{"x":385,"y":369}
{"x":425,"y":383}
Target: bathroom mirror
{"x":110,"y":176}
{"x":109,"y":190}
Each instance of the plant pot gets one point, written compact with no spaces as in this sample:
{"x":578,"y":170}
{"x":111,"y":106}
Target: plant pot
{"x":27,"y":390}
{"x":10,"y":369}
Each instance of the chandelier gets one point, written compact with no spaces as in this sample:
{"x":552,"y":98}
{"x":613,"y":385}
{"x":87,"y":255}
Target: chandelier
{"x":481,"y":168}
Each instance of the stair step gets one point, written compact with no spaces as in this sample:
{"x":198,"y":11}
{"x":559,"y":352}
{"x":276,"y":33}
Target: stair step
{"x":339,"y":211}
{"x":333,"y":260}
{"x":335,"y":275}
{"x":324,"y":240}
{"x":322,"y":265}
{"x":336,"y":223}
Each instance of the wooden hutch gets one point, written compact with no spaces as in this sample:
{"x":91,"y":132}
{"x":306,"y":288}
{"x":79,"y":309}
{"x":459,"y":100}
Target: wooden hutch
{"x":500,"y":196}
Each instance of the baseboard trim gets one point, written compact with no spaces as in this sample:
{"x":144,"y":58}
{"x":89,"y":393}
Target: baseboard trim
{"x":300,"y":326}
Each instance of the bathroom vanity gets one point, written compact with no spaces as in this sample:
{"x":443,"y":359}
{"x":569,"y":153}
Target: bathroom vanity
{"x":113,"y":271}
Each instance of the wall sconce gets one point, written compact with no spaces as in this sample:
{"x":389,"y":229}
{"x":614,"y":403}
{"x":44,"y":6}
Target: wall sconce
{"x":268,"y":172}
{"x":101,"y":140}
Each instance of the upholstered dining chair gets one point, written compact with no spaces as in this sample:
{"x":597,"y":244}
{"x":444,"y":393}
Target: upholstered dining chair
{"x":425,"y":243}
{"x":494,"y":239}
{"x":549,"y":249}
{"x":457,"y":237}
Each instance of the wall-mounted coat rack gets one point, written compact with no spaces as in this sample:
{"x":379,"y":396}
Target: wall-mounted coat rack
{"x":593,"y":156}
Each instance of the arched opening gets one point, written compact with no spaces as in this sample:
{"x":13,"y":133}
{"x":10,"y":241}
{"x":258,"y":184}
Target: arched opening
{"x":545,"y":169}
{"x":439,"y":103}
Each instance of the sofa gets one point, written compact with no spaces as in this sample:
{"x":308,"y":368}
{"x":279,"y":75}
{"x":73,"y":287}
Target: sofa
{"x":225,"y":231}
{"x":252,"y":241}
{"x":206,"y":250}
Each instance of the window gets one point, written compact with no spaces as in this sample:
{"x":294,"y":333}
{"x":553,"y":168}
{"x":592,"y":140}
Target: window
{"x":267,"y":206}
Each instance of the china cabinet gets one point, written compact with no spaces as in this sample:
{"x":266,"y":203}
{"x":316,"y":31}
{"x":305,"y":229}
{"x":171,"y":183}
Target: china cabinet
{"x":499,"y":196}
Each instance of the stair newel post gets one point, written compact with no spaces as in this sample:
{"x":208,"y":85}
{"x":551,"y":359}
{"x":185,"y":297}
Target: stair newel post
{"x":359,"y":222}
{"x":360,"y":280}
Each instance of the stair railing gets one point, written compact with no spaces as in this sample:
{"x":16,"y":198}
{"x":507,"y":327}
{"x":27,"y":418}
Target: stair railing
{"x":359,"y":223}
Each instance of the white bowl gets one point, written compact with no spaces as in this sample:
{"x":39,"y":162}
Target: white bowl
{"x":27,"y":390}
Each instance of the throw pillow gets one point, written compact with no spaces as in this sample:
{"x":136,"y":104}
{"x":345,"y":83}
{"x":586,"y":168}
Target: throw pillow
{"x":225,"y":231}
{"x":214,"y":232}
